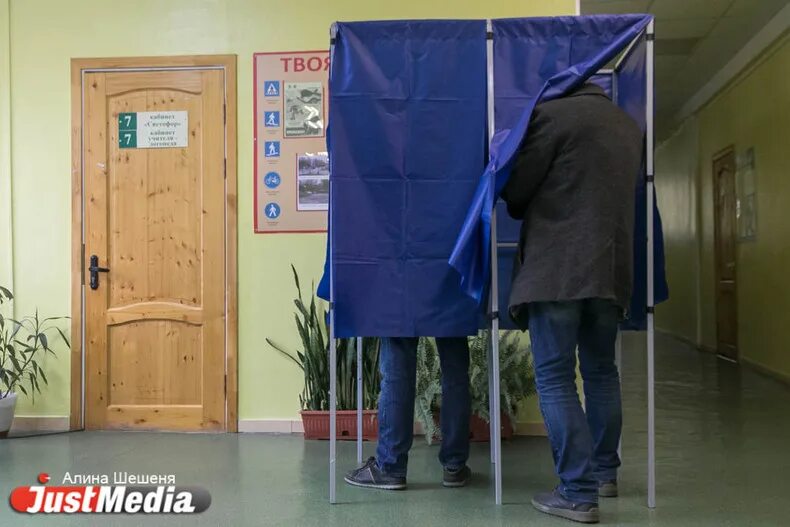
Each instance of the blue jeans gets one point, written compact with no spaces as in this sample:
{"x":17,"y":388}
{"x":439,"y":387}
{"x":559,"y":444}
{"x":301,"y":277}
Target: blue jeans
{"x":398,"y":364}
{"x":584,"y":448}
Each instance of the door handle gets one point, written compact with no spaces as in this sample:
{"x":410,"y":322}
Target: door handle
{"x":95,"y":270}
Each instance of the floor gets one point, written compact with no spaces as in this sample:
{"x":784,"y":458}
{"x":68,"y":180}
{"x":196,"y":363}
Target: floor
{"x":723,"y":460}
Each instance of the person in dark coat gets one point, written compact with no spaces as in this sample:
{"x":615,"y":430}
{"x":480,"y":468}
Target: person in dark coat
{"x":573,"y":185}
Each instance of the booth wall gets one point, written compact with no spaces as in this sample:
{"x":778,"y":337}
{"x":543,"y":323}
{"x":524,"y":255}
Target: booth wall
{"x":754,"y":111}
{"x":37,"y":40}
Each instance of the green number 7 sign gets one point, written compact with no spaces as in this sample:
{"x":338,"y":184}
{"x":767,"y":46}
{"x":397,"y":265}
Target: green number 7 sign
{"x":127,"y":121}
{"x":127,"y":139}
{"x":127,"y":130}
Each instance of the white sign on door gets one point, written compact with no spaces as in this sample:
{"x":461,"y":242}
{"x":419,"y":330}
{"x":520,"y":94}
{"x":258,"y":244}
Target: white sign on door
{"x":162,"y":129}
{"x":153,"y":129}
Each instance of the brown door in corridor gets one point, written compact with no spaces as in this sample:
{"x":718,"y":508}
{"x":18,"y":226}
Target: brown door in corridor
{"x":725,"y":253}
{"x":154,"y":217}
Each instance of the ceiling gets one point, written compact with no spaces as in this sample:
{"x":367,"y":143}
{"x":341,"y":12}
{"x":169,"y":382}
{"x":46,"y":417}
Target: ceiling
{"x":694,"y":40}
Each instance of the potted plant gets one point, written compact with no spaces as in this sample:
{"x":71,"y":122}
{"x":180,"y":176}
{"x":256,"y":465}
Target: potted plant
{"x":429,"y":389}
{"x":313,"y":359}
{"x":516,"y":376}
{"x":23,"y":343}
{"x":517,"y":381}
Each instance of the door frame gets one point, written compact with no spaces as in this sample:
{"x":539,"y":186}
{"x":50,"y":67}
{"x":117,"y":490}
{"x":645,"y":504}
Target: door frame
{"x":79,"y":67}
{"x":724,"y":152}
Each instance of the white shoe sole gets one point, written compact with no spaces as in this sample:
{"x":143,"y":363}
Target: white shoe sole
{"x":581,"y":517}
{"x":395,"y":486}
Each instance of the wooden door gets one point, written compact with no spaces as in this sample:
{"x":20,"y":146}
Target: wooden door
{"x":726,"y":255}
{"x":154,"y":215}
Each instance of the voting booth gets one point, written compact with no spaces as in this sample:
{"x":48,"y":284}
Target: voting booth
{"x":425,"y":119}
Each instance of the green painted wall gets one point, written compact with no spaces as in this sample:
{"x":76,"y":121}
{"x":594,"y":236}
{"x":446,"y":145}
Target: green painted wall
{"x":752,"y":111}
{"x":39,"y":37}
{"x":5,"y":149}
{"x":676,"y":186}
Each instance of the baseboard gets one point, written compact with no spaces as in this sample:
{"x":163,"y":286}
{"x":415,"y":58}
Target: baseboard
{"x":685,"y":340}
{"x":43,"y":423}
{"x":675,"y":336}
{"x":756,"y":366}
{"x":765,"y":370}
{"x":294,"y":426}
{"x":271,"y":426}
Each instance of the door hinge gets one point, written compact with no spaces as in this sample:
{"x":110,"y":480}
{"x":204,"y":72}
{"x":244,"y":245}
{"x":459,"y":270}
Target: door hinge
{"x":226,"y":385}
{"x":224,"y":114}
{"x":225,"y":168}
{"x":82,"y":265}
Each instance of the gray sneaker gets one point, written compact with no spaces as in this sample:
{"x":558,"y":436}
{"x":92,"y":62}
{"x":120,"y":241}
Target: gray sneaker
{"x":456,"y":478}
{"x":371,"y":476}
{"x":607,"y":489}
{"x":556,"y":504}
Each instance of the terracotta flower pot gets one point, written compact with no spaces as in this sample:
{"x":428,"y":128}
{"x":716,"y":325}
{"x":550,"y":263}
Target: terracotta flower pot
{"x":481,"y":430}
{"x":7,"y":406}
{"x":316,"y":424}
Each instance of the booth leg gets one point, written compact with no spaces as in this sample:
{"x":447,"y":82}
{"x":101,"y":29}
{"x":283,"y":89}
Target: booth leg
{"x":332,"y":411}
{"x":332,"y":343}
{"x":618,"y":360}
{"x":496,"y":437}
{"x":493,"y":379}
{"x":490,"y":352}
{"x":651,"y":359}
{"x":651,"y":416}
{"x":359,"y":400}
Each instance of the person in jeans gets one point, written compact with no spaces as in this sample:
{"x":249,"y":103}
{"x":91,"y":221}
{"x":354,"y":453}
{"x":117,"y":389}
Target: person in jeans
{"x":398,"y":365}
{"x":573,"y":185}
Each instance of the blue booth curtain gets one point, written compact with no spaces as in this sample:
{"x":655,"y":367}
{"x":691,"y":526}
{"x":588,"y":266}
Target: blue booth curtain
{"x":408,"y":144}
{"x":534,"y":59}
{"x":407,"y":147}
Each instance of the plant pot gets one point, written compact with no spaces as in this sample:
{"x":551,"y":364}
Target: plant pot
{"x":316,"y":424}
{"x":481,"y":430}
{"x":7,"y":406}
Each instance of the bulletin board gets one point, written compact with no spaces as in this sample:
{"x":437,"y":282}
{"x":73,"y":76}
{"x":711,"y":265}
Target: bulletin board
{"x":291,"y":162}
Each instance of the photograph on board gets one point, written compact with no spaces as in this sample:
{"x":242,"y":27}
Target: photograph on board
{"x":304,"y":109}
{"x":312,"y":172}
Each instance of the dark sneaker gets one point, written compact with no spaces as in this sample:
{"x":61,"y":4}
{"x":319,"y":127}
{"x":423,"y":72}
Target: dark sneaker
{"x":555,"y":504}
{"x":607,"y":489}
{"x":371,"y":476}
{"x":456,"y":477}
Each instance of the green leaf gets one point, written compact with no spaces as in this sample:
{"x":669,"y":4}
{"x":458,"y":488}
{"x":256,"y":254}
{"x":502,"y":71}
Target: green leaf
{"x":296,"y":280}
{"x":15,"y":362}
{"x":43,"y":377}
{"x":63,"y":336}
{"x":5,"y":293}
{"x":282,"y":351}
